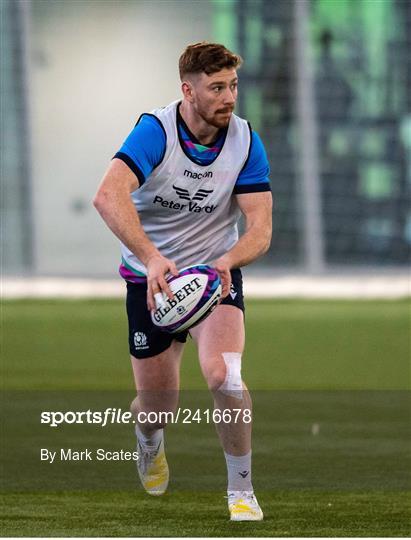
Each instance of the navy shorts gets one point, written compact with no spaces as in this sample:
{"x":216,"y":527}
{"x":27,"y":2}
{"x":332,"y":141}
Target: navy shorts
{"x":145,"y":339}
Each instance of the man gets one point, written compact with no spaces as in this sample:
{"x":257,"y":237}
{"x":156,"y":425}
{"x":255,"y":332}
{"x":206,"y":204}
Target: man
{"x":173,"y":195}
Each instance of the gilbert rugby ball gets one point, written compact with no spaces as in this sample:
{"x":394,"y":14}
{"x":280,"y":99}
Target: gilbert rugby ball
{"x":197,"y":291}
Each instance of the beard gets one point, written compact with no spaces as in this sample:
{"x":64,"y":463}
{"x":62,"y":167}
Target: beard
{"x":219,"y":119}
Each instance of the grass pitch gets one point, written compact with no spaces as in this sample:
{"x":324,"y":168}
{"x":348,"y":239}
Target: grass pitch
{"x":287,"y":513}
{"x":330,"y":383}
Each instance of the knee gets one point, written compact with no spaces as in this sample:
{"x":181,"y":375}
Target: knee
{"x":225,"y":376}
{"x":215,"y":377}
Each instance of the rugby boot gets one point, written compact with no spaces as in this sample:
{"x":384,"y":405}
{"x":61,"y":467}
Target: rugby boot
{"x":243,"y":506}
{"x":152,"y":468}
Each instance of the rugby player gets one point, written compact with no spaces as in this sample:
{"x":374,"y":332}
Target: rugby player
{"x":173,"y":194}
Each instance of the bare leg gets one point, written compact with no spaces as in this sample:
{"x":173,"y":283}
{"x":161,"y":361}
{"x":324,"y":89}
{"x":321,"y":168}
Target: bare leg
{"x":220,"y":340}
{"x":223,"y":332}
{"x":157,"y":381}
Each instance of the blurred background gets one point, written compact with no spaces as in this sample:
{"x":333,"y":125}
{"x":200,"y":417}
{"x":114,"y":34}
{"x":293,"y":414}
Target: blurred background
{"x":326,"y":83}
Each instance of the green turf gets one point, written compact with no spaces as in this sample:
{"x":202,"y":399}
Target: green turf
{"x":342,"y":367}
{"x":290,"y":345}
{"x":287,"y":513}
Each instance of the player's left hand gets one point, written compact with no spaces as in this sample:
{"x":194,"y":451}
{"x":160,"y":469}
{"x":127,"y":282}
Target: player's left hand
{"x":223,"y":269}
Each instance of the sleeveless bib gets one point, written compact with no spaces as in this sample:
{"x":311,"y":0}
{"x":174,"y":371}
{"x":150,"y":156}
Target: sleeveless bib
{"x":188,"y":210}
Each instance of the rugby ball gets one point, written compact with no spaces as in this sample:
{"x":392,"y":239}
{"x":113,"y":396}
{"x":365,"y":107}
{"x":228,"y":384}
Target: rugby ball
{"x":197,"y":291}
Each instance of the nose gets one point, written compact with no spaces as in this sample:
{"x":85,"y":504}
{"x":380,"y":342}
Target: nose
{"x":230,"y":96}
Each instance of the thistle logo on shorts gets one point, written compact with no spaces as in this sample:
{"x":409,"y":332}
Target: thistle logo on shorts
{"x":140,"y":340}
{"x":192,"y":206}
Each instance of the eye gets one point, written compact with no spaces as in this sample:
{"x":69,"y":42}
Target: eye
{"x":234,"y":86}
{"x":217,"y":89}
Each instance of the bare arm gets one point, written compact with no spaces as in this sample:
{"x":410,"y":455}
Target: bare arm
{"x":113,"y":202}
{"x":257,"y":210}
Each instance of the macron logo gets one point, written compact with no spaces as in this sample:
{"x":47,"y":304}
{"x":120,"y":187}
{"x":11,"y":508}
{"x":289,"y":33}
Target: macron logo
{"x":233,"y":294}
{"x":198,"y":176}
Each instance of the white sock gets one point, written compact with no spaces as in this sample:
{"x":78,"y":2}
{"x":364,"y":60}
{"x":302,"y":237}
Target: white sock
{"x":239,"y":472}
{"x":152,"y":440}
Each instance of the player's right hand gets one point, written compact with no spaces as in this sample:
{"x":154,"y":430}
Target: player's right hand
{"x":157,"y":268}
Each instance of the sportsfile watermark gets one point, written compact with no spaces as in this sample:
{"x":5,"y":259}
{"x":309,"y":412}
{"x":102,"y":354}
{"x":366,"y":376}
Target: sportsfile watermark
{"x":112,"y":416}
{"x":301,"y":439}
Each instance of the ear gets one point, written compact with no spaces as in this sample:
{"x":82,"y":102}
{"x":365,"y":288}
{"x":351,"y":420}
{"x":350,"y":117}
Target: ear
{"x":187,"y":89}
